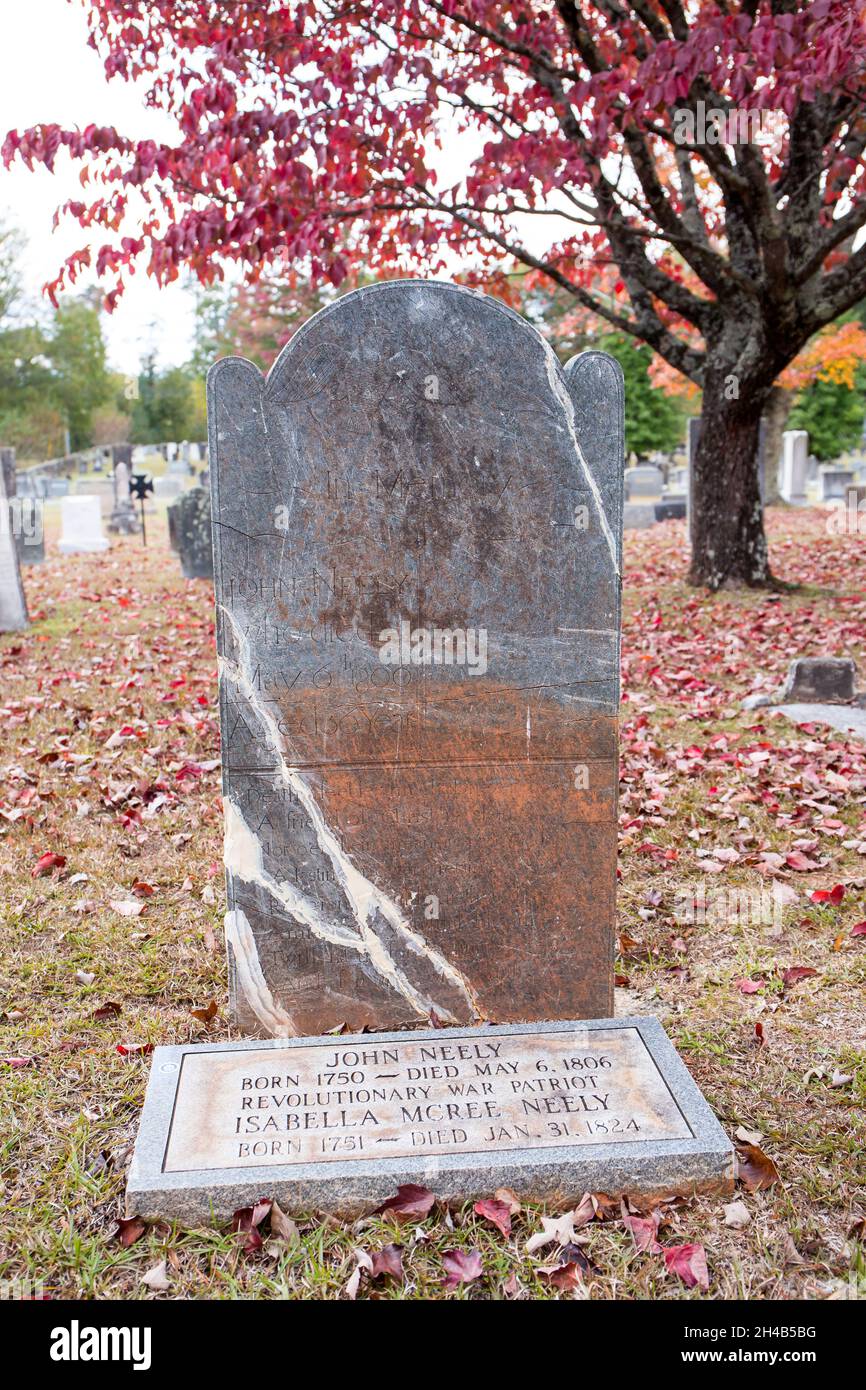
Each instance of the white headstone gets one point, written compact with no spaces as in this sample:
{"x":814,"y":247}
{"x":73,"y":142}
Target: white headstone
{"x":13,"y":608}
{"x":81,"y":523}
{"x":795,"y":466}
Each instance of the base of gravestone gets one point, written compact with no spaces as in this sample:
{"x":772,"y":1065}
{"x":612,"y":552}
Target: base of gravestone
{"x":337,"y":1123}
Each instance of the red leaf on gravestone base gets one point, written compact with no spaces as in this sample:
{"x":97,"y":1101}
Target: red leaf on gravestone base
{"x":689,"y":1263}
{"x":246,"y":1220}
{"x":497,"y":1213}
{"x":129,"y":1230}
{"x":644,"y":1229}
{"x":411,"y":1202}
{"x":461,"y":1267}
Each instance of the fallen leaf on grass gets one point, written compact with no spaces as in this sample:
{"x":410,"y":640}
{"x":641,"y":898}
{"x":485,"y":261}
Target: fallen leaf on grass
{"x":387,"y":1263}
{"x":857,"y":1229}
{"x":46,"y":863}
{"x":755,"y":1169}
{"x":246,"y":1221}
{"x":508,"y":1199}
{"x":134,"y":1049}
{"x":689,"y":1263}
{"x":497,"y":1213}
{"x":801,"y":863}
{"x":207,"y":1014}
{"x":859,"y":929}
{"x":84,"y":977}
{"x":17,"y":1062}
{"x":554,"y":1228}
{"x":748,"y":1136}
{"x":110,"y":1009}
{"x":644,"y":1229}
{"x":461,"y":1267}
{"x":157,"y":1278}
{"x":410,"y":1203}
{"x":282,"y":1226}
{"x":129,"y":1230}
{"x":750,"y":986}
{"x":828,"y":895}
{"x":127,"y":908}
{"x":795,"y":973}
{"x":736,"y":1215}
{"x":143,"y":890}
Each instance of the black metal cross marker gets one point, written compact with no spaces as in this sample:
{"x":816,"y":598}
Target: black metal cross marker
{"x":139,"y":486}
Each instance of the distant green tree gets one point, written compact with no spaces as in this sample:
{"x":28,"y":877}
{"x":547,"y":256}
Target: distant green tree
{"x":168,"y":407}
{"x":832,"y":414}
{"x":654,"y":422}
{"x":81,"y":379}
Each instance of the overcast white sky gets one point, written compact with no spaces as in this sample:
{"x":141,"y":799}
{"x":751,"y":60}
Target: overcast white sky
{"x":48,"y":73}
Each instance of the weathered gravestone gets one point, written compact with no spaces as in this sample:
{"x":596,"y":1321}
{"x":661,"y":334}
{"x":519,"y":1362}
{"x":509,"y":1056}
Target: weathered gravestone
{"x":551,"y":1110}
{"x":26,"y":516}
{"x":417,"y":534}
{"x":13,"y":606}
{"x":189,"y":532}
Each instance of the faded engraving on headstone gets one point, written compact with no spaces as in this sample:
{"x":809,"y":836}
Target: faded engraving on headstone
{"x":417,"y":534}
{"x":337,"y":1122}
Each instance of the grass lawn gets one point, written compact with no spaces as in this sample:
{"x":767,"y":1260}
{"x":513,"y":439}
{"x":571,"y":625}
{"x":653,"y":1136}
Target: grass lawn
{"x":109,"y":761}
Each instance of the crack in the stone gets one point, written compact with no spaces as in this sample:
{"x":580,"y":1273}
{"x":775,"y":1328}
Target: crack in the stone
{"x":560,"y":391}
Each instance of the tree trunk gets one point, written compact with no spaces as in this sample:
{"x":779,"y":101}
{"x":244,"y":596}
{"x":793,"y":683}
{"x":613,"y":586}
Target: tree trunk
{"x":729,"y":548}
{"x":776,"y":412}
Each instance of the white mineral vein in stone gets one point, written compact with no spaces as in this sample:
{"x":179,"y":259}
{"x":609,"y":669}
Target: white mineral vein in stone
{"x":251,"y":981}
{"x":560,"y":391}
{"x":364,"y":897}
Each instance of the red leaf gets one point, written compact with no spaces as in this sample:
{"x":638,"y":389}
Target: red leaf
{"x":497,"y":1213}
{"x":800,"y":862}
{"x":110,"y":1009}
{"x":411,"y":1202}
{"x":47,"y":862}
{"x":134,"y":1049}
{"x":689,"y":1263}
{"x":828,"y":895}
{"x":246,"y":1220}
{"x":388,"y":1263}
{"x":859,"y":929}
{"x":129,"y":1230}
{"x":461,"y":1267}
{"x":17,"y":1062}
{"x":750,"y":986}
{"x":645,"y":1230}
{"x":795,"y":973}
{"x":143,"y":890}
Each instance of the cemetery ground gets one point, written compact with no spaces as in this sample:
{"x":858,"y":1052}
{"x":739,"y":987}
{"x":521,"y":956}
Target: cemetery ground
{"x":111,"y":942}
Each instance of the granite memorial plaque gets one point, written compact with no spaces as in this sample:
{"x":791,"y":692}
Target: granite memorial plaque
{"x":336,"y":1123}
{"x":417,"y":534}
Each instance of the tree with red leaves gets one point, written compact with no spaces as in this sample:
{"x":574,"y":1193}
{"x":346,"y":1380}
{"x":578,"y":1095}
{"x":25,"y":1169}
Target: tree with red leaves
{"x":711,"y":149}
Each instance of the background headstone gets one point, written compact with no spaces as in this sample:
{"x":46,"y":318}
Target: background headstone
{"x":189,"y":530}
{"x":795,"y":464}
{"x":414,"y":838}
{"x":81,"y":525}
{"x":25,"y":515}
{"x":13,"y":606}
